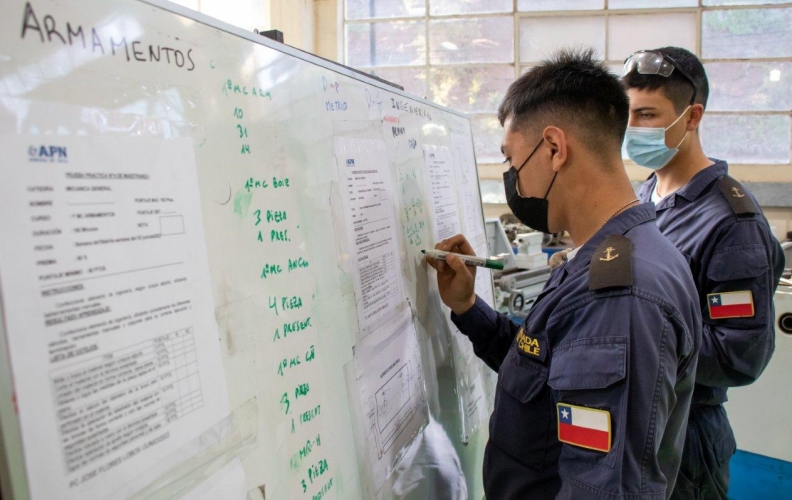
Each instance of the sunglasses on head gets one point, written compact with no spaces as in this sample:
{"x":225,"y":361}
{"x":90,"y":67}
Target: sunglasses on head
{"x":652,"y":62}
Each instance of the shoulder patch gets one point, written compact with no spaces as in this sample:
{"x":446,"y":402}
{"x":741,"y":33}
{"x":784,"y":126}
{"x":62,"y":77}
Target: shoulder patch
{"x":735,"y":194}
{"x":724,"y":305}
{"x":585,"y":427}
{"x":611,"y":264}
{"x":532,"y":345}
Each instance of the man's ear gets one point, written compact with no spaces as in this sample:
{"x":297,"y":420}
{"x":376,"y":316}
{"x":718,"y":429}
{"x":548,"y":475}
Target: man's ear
{"x":696,"y":114}
{"x":557,"y":141}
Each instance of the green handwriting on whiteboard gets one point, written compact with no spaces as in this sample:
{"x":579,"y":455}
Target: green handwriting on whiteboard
{"x":414,"y":209}
{"x":283,"y":365}
{"x":295,"y":361}
{"x":231,"y":87}
{"x":282,"y":236}
{"x":270,"y":269}
{"x":285,"y":304}
{"x":293,"y":265}
{"x":242,"y":130}
{"x":314,"y":471}
{"x":310,"y":414}
{"x":301,"y":390}
{"x":291,"y":328}
{"x":275,"y":217}
{"x":252,"y":183}
{"x":414,"y":233}
{"x":298,"y":263}
{"x":284,"y":401}
{"x":276,"y":235}
{"x":304,"y":452}
{"x":325,"y":489}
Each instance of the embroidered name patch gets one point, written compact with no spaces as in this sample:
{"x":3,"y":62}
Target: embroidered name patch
{"x":731,"y":305}
{"x":529,"y":345}
{"x":584,"y":427}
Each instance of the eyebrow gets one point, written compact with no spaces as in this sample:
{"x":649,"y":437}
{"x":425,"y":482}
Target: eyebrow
{"x":644,"y":108}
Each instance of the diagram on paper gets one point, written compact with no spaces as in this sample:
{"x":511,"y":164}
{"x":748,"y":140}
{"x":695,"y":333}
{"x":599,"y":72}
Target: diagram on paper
{"x":394,"y":407}
{"x":389,"y":381}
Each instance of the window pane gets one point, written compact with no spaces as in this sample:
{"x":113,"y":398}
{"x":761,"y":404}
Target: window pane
{"x":487,"y":136}
{"x":537,"y":5}
{"x":653,"y":4}
{"x":747,"y":138}
{"x":630,"y":33}
{"x":540,"y":37}
{"x":485,"y":40}
{"x":449,"y":7}
{"x":750,"y":86}
{"x":743,"y":2}
{"x":736,"y":34}
{"x":412,"y":79}
{"x":398,"y":43}
{"x":373,"y":9}
{"x":247,"y":14}
{"x":470,"y":90}
{"x":492,"y":191}
{"x":616,"y":69}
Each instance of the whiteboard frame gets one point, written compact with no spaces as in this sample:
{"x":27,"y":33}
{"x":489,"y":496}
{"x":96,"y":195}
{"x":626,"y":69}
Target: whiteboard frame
{"x":294,"y":52}
{"x":12,"y":463}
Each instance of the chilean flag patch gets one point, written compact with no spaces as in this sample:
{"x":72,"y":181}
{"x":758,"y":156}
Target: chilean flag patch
{"x":731,"y":305}
{"x":584,"y":427}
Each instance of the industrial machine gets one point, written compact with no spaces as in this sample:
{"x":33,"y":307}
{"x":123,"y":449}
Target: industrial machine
{"x":759,"y":414}
{"x":515,"y":289}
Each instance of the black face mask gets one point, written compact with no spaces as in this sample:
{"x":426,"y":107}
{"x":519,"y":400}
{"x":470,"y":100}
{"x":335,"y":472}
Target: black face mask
{"x":531,"y":211}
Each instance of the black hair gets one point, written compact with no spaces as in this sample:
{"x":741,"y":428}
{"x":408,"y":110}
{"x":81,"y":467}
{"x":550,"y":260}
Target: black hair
{"x":676,"y":87}
{"x":572,"y":90}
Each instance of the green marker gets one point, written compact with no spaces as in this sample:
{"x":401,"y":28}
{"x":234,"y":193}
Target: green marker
{"x":467,"y":259}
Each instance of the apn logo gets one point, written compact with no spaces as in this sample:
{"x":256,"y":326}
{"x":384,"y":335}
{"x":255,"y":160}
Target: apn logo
{"x":48,"y":154}
{"x":350,"y":162}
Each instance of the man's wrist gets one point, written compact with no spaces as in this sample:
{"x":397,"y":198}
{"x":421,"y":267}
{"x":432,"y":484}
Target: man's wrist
{"x":459,"y":311}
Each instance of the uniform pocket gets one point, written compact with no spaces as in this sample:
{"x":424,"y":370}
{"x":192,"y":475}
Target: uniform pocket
{"x":524,"y":412}
{"x":588,"y":364}
{"x":590,"y":373}
{"x":743,"y":269}
{"x":738,"y":263}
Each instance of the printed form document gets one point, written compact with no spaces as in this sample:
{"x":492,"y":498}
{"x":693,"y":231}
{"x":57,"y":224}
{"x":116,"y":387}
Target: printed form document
{"x":108,"y":307}
{"x":442,"y":192}
{"x":371,"y":228}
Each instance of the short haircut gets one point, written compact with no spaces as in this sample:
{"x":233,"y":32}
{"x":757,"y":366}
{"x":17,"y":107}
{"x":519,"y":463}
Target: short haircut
{"x":676,"y":87}
{"x":576,"y":92}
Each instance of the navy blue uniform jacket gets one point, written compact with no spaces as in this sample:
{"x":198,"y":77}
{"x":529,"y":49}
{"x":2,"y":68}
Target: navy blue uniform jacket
{"x":727,"y":252}
{"x":599,"y":340}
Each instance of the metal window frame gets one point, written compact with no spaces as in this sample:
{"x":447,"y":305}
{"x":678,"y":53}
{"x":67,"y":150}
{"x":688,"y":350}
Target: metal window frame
{"x":605,"y":12}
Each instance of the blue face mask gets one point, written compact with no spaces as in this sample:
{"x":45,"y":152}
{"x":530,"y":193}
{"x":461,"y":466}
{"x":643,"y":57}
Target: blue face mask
{"x":646,"y":145}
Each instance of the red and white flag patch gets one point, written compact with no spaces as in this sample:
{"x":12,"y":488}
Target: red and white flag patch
{"x":584,"y":427}
{"x":731,"y":305}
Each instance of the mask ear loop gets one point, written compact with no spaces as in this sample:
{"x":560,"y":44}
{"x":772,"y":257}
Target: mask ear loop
{"x":678,"y":118}
{"x":675,"y":121}
{"x":530,"y":155}
{"x":517,"y":170}
{"x":551,"y":186}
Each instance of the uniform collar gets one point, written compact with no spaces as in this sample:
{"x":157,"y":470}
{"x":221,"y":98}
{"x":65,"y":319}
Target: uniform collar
{"x":693,"y":189}
{"x":620,"y":224}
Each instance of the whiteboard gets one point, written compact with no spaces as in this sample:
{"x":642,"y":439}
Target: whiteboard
{"x":210,"y":268}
